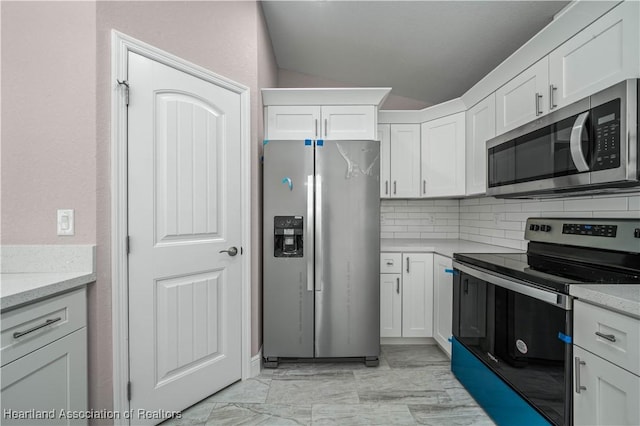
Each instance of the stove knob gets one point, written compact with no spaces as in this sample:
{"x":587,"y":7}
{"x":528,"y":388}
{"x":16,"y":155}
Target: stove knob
{"x":545,"y":228}
{"x":536,"y":227}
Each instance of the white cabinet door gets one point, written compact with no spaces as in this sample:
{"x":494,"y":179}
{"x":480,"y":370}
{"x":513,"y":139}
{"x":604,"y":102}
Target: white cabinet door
{"x":604,"y":53}
{"x":348,"y":122}
{"x":417,"y":295}
{"x":523,"y":98}
{"x":390,"y":305}
{"x":292,"y":122}
{"x":384,"y":136}
{"x":481,"y":126}
{"x":442,"y":301}
{"x":53,"y":377}
{"x":405,"y":160}
{"x":443,"y":158}
{"x":610,"y":395}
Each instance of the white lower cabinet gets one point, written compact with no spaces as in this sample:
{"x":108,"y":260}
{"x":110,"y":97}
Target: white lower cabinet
{"x":44,"y":362}
{"x":606,"y":384}
{"x":406,"y":295}
{"x":442,"y":301}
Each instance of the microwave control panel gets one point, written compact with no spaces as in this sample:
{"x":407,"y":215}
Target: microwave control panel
{"x":606,"y":129}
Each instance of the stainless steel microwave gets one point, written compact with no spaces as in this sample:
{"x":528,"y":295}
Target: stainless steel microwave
{"x":590,"y":145}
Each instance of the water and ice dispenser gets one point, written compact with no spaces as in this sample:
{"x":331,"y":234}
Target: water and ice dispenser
{"x":287,"y":236}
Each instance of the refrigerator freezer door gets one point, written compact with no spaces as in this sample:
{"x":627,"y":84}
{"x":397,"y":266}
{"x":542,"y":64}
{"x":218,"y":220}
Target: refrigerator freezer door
{"x":288,"y":255}
{"x":347,"y":249}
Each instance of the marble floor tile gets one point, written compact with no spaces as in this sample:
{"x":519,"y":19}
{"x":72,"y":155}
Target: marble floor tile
{"x":259,"y":414}
{"x":421,"y":412}
{"x":194,"y":415}
{"x":400,"y":386}
{"x":457,"y":421}
{"x":253,"y":390}
{"x":309,"y":391}
{"x":361,"y":414}
{"x":414,"y":356}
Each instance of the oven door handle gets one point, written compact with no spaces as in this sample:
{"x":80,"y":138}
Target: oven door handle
{"x":562,"y":301}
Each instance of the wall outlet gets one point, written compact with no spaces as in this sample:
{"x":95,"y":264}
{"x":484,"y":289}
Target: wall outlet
{"x":65,"y":222}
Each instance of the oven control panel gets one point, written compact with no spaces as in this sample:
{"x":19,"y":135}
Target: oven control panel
{"x":618,"y":234}
{"x":592,"y":230}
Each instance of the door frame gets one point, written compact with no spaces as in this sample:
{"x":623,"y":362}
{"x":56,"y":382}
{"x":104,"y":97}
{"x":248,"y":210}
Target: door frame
{"x":121,"y":45}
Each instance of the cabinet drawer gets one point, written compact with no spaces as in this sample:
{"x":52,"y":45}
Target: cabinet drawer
{"x":617,"y":339}
{"x":25,"y":329}
{"x":390,"y":263}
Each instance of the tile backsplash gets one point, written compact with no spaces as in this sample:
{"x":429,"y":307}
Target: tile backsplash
{"x":490,"y":220}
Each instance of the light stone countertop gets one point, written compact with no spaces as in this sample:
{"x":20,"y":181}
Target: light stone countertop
{"x":445,"y":247}
{"x":31,"y":273}
{"x":622,"y":298}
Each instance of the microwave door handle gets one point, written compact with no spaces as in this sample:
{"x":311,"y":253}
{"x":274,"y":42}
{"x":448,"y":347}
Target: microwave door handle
{"x":575,"y":143}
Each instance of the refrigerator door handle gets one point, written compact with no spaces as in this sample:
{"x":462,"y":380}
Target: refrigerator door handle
{"x":318,"y":233}
{"x":309,"y":244}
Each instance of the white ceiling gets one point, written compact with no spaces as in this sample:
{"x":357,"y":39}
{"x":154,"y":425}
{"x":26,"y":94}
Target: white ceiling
{"x":432,"y":51}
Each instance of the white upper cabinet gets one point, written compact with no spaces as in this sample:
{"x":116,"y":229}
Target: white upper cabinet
{"x":442,"y":156}
{"x":339,"y":122}
{"x":292,"y":122}
{"x":524,"y":98}
{"x":405,"y":161}
{"x":384,"y":136}
{"x":481,"y":126}
{"x":601,"y":55}
{"x":318,"y":113}
{"x":345,"y":122}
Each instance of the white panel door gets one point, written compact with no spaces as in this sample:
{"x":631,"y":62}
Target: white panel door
{"x":417,"y":295}
{"x":523,"y":98}
{"x":384,"y":136}
{"x":611,"y":395}
{"x":348,"y":122}
{"x":405,"y":161}
{"x":293,"y":122}
{"x":442,"y":301}
{"x":390,"y":305}
{"x":442,"y":156}
{"x":184,"y":199}
{"x":604,"y":53}
{"x":481,"y":126}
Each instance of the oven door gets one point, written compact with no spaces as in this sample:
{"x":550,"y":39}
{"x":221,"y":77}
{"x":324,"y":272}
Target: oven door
{"x":521,"y":333}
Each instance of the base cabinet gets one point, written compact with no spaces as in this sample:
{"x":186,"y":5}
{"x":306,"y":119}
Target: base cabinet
{"x":51,"y":382}
{"x":606,"y":380}
{"x":442,"y":301}
{"x":608,"y":394}
{"x":406,"y":295}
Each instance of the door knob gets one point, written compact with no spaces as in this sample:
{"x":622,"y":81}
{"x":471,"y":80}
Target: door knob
{"x":231,"y":252}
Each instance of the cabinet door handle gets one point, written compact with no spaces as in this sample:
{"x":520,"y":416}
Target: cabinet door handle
{"x":408,"y":260}
{"x":398,"y":285}
{"x":386,"y":187}
{"x":609,"y":337}
{"x":18,"y":334}
{"x":538,"y":97}
{"x":325,"y":127}
{"x":390,"y":263}
{"x":315,"y":129}
{"x":424,"y":186}
{"x":578,"y":363}
{"x":552,"y":89}
{"x":394,"y":187}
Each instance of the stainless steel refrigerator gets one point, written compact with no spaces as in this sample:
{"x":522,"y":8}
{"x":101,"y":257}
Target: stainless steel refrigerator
{"x":321,"y":253}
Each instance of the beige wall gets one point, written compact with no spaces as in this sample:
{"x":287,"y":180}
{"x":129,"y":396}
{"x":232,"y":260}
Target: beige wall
{"x":49,"y":122}
{"x":56,"y":94}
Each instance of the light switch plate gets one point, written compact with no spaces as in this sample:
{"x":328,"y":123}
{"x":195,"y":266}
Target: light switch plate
{"x":65,"y":222}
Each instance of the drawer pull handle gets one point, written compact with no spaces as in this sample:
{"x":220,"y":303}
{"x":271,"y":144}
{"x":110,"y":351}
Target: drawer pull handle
{"x":18,"y":334}
{"x":389,"y":263}
{"x":609,"y":337}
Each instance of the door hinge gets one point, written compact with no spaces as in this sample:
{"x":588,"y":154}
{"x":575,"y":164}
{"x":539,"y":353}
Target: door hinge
{"x":128,"y":244}
{"x":128,"y":391}
{"x":125,"y":84}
